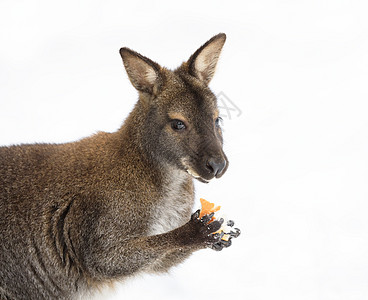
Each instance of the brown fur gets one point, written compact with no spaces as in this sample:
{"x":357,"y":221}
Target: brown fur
{"x":81,"y":214}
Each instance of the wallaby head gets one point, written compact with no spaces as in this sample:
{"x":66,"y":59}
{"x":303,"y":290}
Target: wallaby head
{"x":179,"y":118}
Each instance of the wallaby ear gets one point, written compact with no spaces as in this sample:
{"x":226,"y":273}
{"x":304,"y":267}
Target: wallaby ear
{"x":143,"y":73}
{"x":202,"y":63}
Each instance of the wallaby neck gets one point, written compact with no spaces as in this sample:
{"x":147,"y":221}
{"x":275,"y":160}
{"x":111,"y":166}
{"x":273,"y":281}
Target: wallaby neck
{"x":131,"y":133}
{"x":134,"y":142}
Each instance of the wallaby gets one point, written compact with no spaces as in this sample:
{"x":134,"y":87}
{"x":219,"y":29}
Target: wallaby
{"x":79,"y":215}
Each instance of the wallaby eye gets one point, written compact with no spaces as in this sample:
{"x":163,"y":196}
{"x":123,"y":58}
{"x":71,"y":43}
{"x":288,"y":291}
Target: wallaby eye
{"x":177,"y":125}
{"x":218,"y":122}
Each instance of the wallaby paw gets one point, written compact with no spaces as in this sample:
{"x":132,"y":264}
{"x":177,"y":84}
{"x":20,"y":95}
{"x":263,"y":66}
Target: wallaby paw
{"x":201,"y":231}
{"x":225,"y":240}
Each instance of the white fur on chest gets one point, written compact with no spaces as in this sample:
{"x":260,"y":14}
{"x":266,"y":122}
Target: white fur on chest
{"x":175,"y":206}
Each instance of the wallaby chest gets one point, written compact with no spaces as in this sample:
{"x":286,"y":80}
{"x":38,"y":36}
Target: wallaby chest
{"x":174,"y":207}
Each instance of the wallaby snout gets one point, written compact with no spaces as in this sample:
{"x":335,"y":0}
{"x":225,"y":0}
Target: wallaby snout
{"x":216,"y":166}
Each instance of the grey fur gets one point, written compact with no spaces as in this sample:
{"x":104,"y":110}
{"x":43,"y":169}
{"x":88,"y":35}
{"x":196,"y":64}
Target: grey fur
{"x":76,"y":216}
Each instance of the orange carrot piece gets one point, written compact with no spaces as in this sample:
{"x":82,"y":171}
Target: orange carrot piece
{"x":207,"y":208}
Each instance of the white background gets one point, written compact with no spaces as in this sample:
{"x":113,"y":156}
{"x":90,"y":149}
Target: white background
{"x":297,"y":184}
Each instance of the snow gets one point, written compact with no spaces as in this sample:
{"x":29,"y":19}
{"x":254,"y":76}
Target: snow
{"x":296,"y":75}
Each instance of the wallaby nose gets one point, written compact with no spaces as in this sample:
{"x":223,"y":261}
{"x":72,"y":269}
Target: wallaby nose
{"x":216,"y":166}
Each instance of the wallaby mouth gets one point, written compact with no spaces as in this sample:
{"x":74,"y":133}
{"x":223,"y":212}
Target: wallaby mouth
{"x":196,"y":176}
{"x":212,"y":169}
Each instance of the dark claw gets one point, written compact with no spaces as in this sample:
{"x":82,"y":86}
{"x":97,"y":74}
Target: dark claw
{"x":217,"y":246}
{"x":196,"y":215}
{"x":230,"y":223}
{"x":226,"y":243}
{"x":235,"y":233}
{"x":207,"y":218}
{"x":216,"y":236}
{"x":219,"y":235}
{"x":221,"y":245}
